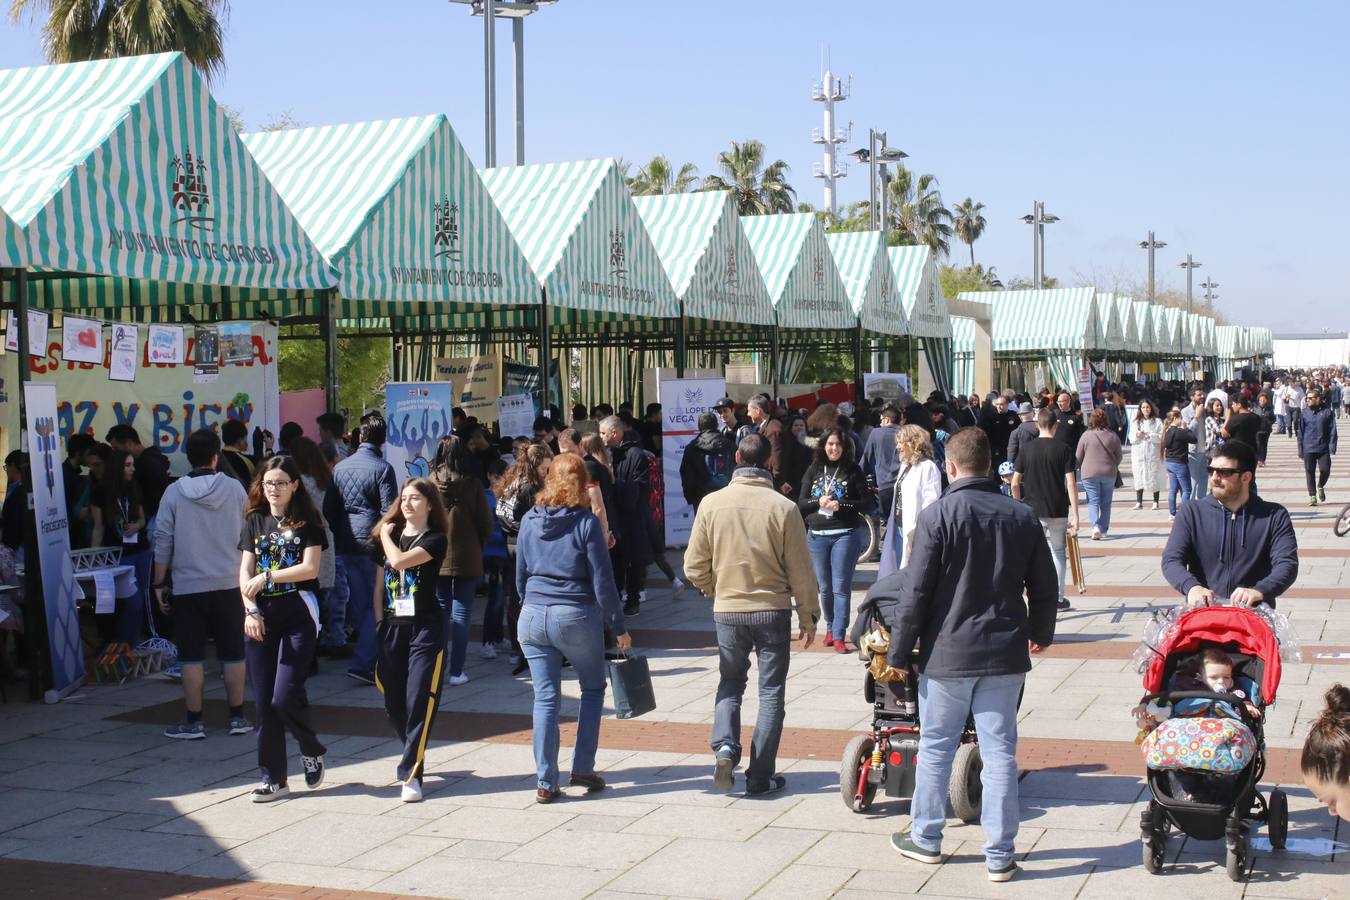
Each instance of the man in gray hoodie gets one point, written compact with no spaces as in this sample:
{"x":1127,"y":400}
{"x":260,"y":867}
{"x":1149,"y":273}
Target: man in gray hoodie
{"x":197,"y":555}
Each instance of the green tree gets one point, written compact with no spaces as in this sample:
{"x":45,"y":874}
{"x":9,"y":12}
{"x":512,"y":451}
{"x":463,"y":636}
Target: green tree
{"x":660,"y":177}
{"x":917,"y":215}
{"x":968,"y":220}
{"x":79,"y":30}
{"x":758,"y":188}
{"x":957,"y":280}
{"x":364,"y":367}
{"x":1048,"y":282}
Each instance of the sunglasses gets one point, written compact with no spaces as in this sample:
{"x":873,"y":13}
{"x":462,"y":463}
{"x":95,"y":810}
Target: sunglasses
{"x":1222,"y":471}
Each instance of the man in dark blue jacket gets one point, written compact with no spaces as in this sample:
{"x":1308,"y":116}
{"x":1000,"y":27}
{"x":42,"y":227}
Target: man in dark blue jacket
{"x":1231,"y":544}
{"x":976,"y":553}
{"x":1316,"y":430}
{"x":365,"y":485}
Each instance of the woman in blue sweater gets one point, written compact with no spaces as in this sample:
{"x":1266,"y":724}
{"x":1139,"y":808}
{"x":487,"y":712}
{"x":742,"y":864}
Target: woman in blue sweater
{"x":564,"y":576}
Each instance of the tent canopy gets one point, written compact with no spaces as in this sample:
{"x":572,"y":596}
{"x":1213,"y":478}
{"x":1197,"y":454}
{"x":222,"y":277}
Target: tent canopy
{"x":963,"y":355}
{"x":11,"y":243}
{"x":399,"y":211}
{"x":865,"y":268}
{"x":1030,"y":323}
{"x":584,"y":239}
{"x":799,"y":271}
{"x":1162,"y":343}
{"x":1145,"y":326}
{"x":920,"y":289}
{"x":706,"y":256}
{"x":128,"y":168}
{"x":1111,"y":331}
{"x":1173,"y":331}
{"x":1129,"y":325}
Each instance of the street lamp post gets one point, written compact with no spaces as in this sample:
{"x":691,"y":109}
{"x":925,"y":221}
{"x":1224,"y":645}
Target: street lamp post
{"x":1151,"y":245}
{"x":1209,"y":284}
{"x":875,"y":156}
{"x":516,"y":11}
{"x":1190,"y":266}
{"x":1038,"y":219}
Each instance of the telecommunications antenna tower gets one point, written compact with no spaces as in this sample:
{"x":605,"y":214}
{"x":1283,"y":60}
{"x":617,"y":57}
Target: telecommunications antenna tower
{"x":829,"y":91}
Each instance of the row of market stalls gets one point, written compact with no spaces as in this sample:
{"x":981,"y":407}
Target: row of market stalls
{"x":126,"y":195}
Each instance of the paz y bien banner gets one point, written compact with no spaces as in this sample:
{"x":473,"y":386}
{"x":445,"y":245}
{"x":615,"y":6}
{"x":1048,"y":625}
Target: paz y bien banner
{"x":162,"y":403}
{"x":683,"y":400}
{"x":418,"y":416}
{"x":53,"y":540}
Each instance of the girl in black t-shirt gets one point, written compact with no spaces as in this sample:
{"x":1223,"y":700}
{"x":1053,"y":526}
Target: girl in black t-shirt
{"x":119,"y":521}
{"x":282,"y":542}
{"x":410,"y":545}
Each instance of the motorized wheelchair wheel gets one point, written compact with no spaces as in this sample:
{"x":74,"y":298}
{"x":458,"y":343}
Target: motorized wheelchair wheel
{"x":964,"y":790}
{"x":856,"y":754}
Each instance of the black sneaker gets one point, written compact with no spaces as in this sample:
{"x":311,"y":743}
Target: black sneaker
{"x":776,"y":784}
{"x":630,"y":608}
{"x":1063,"y":604}
{"x":1006,"y":873}
{"x":906,"y":847}
{"x":724,"y":772}
{"x":313,"y":771}
{"x":1322,"y":494}
{"x":363,"y":677}
{"x":267,"y":792}
{"x":186,"y":731}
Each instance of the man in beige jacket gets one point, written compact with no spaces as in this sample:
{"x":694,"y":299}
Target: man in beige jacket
{"x":748,"y":552}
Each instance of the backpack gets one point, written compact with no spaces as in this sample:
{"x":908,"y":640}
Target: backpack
{"x":506,"y":511}
{"x":718,"y":467}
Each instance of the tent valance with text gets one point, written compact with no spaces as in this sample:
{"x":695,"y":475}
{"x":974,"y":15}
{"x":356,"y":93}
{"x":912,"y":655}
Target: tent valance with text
{"x":920,"y":289}
{"x":799,"y":271}
{"x":860,"y":257}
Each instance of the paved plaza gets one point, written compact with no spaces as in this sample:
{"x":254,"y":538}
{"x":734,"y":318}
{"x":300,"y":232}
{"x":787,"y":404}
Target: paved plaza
{"x":94,"y":800}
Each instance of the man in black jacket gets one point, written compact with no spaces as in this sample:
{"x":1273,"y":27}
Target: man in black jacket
{"x":961,"y":598}
{"x":1231,"y":544}
{"x":635,"y":550}
{"x":707,"y":463}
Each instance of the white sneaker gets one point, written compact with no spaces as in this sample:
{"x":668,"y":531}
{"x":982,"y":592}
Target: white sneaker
{"x":1155,"y":504}
{"x":488,"y":652}
{"x":412,"y":792}
{"x":1096,"y":534}
{"x":1138,"y":506}
{"x":503,"y":646}
{"x":678,"y":586}
{"x":457,"y":680}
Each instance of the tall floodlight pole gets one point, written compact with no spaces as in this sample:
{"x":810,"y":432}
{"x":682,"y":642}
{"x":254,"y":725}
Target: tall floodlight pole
{"x":1151,"y":245}
{"x":875,"y":156}
{"x":489,"y":83}
{"x":1209,"y":284}
{"x":1038,"y":219}
{"x":1190,"y":266}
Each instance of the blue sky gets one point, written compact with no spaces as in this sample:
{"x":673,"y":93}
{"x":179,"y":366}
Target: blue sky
{"x":1221,"y":126}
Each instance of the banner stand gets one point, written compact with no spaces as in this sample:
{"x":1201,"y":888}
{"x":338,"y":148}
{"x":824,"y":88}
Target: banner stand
{"x":682,"y":401}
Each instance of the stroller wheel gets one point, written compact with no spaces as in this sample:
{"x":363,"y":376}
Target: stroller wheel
{"x":1155,"y":852}
{"x":1236,"y":862}
{"x":964,"y":790}
{"x":1277,"y":819}
{"x":857,"y":754}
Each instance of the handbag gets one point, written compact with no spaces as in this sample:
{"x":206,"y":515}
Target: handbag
{"x":630,"y":679}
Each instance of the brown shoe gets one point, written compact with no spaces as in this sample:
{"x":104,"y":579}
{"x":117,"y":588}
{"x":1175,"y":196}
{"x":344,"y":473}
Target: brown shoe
{"x":591,"y":782}
{"x":544,"y":795}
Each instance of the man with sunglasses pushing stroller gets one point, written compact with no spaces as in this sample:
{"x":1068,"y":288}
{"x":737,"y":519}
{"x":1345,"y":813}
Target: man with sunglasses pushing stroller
{"x":978,"y":596}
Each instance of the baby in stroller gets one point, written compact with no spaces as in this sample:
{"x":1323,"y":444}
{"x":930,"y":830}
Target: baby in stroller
{"x":1212,"y":671}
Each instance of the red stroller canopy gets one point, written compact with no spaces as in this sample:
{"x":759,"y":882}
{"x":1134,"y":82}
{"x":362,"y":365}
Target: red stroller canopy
{"x":1221,"y":625}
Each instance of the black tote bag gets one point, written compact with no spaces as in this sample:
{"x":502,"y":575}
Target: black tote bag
{"x":630,"y":679}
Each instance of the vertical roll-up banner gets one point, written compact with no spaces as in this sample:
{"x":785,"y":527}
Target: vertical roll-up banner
{"x":53,"y":540}
{"x":683,"y":400}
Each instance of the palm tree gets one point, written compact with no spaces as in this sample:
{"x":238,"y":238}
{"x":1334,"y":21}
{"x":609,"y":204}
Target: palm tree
{"x":758,"y":188}
{"x":988,"y":277}
{"x":660,"y":177}
{"x":968,"y":219}
{"x":917,"y":215}
{"x":78,"y":30}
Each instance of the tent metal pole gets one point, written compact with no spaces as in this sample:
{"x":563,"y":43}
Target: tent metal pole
{"x":681,"y":342}
{"x":858,"y":363}
{"x":543,"y":348}
{"x":21,"y":318}
{"x":774,"y":353}
{"x":330,"y":349}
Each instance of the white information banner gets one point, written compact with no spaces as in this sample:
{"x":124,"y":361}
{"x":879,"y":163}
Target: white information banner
{"x":1085,"y":392}
{"x":53,"y":540}
{"x":516,"y":415}
{"x":682,"y":400}
{"x":889,"y":386}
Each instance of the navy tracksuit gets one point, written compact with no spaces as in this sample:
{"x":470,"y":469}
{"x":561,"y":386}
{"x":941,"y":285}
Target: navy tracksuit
{"x":409,"y":670}
{"x":277,"y":666}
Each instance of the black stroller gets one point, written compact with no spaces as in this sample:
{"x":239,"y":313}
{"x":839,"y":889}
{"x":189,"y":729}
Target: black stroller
{"x":888,"y":756}
{"x":1251,"y":644}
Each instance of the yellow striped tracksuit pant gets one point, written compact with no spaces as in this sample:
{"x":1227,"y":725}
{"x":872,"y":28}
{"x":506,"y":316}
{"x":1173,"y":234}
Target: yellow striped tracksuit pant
{"x":409,"y":670}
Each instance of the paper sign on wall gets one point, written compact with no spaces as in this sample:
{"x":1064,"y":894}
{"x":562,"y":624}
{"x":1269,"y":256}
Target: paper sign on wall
{"x":236,"y":342}
{"x":37,"y":332}
{"x":122,"y":355}
{"x":165,"y":345}
{"x":205,"y":354}
{"x":11,"y":332}
{"x":81,"y":340}
{"x":515,"y":415}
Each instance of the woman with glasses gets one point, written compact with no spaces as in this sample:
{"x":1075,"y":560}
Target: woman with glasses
{"x":282,"y":544}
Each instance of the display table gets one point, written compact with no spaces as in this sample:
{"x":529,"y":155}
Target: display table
{"x":121,"y":579}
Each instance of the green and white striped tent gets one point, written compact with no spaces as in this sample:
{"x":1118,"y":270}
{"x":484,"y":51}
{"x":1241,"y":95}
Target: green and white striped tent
{"x":1231,"y":352}
{"x":963,"y":355}
{"x":1263,"y":342}
{"x":860,"y":257}
{"x":1162,"y":342}
{"x":799,"y":272}
{"x":1201,"y":333}
{"x":1059,"y":326}
{"x":11,"y":243}
{"x":707,"y":258}
{"x":1145,"y":327}
{"x":1173,"y":335}
{"x":1111,"y":331}
{"x":1129,"y":325}
{"x":920,"y":289}
{"x":398,"y":210}
{"x":128,"y":169}
{"x":586,"y":243}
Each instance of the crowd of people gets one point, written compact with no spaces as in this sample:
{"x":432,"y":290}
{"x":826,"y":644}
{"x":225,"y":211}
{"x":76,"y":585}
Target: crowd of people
{"x":331,"y":559}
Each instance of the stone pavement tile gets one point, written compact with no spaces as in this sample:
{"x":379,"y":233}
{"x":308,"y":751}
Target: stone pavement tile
{"x":470,"y":849}
{"x":959,"y":837}
{"x":600,"y":823}
{"x":122,"y":849}
{"x":722,"y":869}
{"x":10,"y":844}
{"x":136,"y":821}
{"x":1073,"y":814}
{"x":1093,"y":848}
{"x":1068,"y":784}
{"x":801,"y":882}
{"x":589,"y":849}
{"x":828,"y":812}
{"x":510,"y":825}
{"x":14,"y":764}
{"x":870,"y":854}
{"x":323,"y":839}
{"x":692,"y":821}
{"x":74,"y":752}
{"x":20,"y":806}
{"x":239,"y":818}
{"x":964,"y":874}
{"x":339,"y":877}
{"x":606,"y":804}
{"x":500,"y":791}
{"x":398,"y":854}
{"x":1182,"y":883}
{"x":442,"y":876}
{"x":55,"y":827}
{"x":1288,"y":876}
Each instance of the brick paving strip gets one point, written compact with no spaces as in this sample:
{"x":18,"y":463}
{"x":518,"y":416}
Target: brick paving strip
{"x":28,"y":879}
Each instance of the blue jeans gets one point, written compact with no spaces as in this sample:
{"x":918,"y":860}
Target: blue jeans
{"x":361,"y":586}
{"x":944,"y":704}
{"x":547,"y":634}
{"x":771,"y":644}
{"x":1280,"y":420}
{"x":835,"y":557}
{"x":335,"y":606}
{"x":1099,"y":491}
{"x":131,"y":610}
{"x":1196,"y":462}
{"x":1178,"y":479}
{"x":455,"y":594}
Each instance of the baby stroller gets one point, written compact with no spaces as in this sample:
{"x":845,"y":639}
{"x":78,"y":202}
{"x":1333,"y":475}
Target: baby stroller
{"x":888,"y":756}
{"x":1251,"y":644}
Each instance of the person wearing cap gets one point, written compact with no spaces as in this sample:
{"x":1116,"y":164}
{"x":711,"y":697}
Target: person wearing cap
{"x":1023,"y":433}
{"x":1316,"y":432}
{"x":726,"y":411}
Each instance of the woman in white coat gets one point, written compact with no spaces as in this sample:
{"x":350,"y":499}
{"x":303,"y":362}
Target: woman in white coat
{"x":918,"y":484}
{"x":1146,"y":431}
